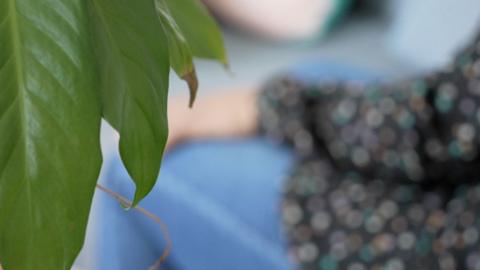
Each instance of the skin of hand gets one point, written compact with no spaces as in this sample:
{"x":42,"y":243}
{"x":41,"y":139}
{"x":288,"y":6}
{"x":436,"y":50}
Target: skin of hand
{"x":227,"y":115}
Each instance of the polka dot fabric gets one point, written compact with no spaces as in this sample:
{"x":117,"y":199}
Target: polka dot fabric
{"x":389,"y":174}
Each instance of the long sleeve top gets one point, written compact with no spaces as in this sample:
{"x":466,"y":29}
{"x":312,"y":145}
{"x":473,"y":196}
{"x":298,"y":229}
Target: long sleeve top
{"x":388,"y":173}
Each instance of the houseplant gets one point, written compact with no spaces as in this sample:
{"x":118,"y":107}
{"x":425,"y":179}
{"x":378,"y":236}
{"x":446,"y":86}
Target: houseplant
{"x":65,"y":65}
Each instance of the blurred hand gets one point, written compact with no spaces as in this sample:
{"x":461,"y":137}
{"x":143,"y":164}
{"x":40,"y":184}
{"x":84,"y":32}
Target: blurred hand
{"x":225,"y":115}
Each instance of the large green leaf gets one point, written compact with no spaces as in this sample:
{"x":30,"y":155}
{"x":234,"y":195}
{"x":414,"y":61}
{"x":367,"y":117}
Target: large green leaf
{"x":132,"y":51}
{"x":51,"y":102}
{"x":49,"y":132}
{"x":199,"y":28}
{"x":181,"y":58}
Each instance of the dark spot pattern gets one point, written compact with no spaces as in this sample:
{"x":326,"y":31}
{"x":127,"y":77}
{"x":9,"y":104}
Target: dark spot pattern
{"x":388,"y":174}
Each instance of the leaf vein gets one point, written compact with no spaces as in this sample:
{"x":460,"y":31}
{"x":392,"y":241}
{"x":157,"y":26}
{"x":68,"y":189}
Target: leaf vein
{"x":43,"y":108}
{"x":52,"y":76}
{"x":52,"y":40}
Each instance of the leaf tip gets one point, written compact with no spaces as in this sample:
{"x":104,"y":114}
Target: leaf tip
{"x":192,"y":81}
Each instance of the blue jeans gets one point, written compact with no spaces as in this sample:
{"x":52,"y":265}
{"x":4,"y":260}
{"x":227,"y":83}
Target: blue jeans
{"x":219,"y":199}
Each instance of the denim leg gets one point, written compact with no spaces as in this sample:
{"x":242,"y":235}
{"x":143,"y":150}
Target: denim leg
{"x":220,"y":201}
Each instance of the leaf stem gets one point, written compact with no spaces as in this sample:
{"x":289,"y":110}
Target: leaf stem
{"x":156,"y":219}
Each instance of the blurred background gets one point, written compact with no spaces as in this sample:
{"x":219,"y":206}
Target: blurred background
{"x":395,"y":37}
{"x":263,"y":37}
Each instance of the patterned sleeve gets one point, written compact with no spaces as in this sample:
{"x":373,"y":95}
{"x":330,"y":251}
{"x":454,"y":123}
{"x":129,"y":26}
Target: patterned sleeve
{"x":420,"y":129}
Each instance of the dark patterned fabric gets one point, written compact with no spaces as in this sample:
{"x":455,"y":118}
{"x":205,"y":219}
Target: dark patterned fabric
{"x":389,"y":174}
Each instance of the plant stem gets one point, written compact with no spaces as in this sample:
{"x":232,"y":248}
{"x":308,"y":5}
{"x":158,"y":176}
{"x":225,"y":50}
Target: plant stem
{"x":163,"y":227}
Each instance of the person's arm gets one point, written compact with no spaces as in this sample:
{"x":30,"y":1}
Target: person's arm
{"x":227,"y":115}
{"x":425,"y":128}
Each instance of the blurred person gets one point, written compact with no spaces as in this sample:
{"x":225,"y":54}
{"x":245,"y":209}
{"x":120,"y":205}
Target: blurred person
{"x":281,"y":19}
{"x":384,"y":175}
{"x":387,"y":174}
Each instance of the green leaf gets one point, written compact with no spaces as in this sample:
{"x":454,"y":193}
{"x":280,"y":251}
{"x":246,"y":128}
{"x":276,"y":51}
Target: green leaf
{"x":199,"y":28}
{"x":181,"y":58}
{"x":132,"y":52}
{"x":49,"y":132}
